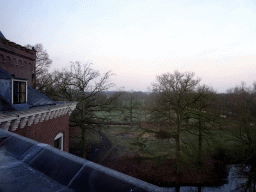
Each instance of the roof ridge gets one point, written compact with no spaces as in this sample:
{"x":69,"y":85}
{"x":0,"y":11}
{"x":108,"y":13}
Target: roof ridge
{"x":1,"y":35}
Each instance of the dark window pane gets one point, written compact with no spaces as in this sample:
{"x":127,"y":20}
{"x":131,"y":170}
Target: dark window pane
{"x":19,"y":92}
{"x":15,"y":86}
{"x":15,"y":97}
{"x":15,"y":92}
{"x":57,"y":143}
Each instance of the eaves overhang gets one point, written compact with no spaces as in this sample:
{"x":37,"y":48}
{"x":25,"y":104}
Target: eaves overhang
{"x":32,"y":116}
{"x":20,"y":78}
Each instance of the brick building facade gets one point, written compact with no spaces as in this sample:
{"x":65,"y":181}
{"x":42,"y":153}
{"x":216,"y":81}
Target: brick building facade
{"x":17,"y":60}
{"x":46,"y":131}
{"x":23,"y":110}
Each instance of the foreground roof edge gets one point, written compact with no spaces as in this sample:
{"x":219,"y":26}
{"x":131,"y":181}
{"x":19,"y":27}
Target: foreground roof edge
{"x":70,"y":171}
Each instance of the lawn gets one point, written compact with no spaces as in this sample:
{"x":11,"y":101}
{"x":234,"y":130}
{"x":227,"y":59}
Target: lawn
{"x":134,"y":140}
{"x":150,"y":157}
{"x":121,"y":117}
{"x":143,"y":152}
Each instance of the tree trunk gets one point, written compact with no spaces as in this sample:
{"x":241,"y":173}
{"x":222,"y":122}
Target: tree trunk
{"x":187,"y":120}
{"x":178,"y":158}
{"x":200,"y":142}
{"x":131,"y":116}
{"x":83,"y":140}
{"x":83,"y":127}
{"x":178,"y":171}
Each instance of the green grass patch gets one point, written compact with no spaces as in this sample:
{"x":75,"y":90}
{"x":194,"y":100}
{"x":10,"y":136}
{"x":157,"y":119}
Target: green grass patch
{"x":126,"y":139}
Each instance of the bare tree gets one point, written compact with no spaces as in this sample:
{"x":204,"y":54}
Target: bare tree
{"x":43,"y":61}
{"x":44,"y":80}
{"x":204,"y":115}
{"x":242,"y":98}
{"x":132,"y":107}
{"x":173,"y":98}
{"x":243,"y":103}
{"x":84,"y":84}
{"x":46,"y":83}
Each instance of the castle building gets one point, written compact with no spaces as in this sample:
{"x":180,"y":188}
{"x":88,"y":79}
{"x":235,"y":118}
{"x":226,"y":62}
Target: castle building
{"x":23,"y":110}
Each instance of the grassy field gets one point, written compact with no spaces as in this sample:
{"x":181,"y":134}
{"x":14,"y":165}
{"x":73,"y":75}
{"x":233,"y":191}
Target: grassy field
{"x":121,"y":117}
{"x":150,"y":156}
{"x":113,"y":117}
{"x":134,"y":140}
{"x":148,"y":145}
{"x":128,"y":139}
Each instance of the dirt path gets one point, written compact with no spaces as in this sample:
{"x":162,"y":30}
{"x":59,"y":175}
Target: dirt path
{"x":99,"y":152}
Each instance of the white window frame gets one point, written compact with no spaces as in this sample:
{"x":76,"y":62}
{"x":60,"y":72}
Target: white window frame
{"x":26,"y":89}
{"x":60,"y":135}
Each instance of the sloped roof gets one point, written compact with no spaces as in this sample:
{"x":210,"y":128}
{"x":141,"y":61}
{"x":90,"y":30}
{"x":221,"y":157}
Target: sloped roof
{"x":4,"y":74}
{"x":1,"y":35}
{"x":5,"y":105}
{"x":36,"y":99}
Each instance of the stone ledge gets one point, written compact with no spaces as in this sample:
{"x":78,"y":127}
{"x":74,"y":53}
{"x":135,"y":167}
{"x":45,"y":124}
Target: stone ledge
{"x":21,"y":118}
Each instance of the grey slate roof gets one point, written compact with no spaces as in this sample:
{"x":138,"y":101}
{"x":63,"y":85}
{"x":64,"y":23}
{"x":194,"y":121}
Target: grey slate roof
{"x":36,"y":99}
{"x":5,"y":105}
{"x":1,"y":35}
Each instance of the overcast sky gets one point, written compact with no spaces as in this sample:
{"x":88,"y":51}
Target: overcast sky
{"x":139,"y":39}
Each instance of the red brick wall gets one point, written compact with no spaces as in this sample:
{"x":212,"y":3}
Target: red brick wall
{"x":17,"y":60}
{"x":20,"y":61}
{"x":46,"y":131}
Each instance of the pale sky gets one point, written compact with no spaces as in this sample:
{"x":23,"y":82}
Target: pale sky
{"x":139,"y":39}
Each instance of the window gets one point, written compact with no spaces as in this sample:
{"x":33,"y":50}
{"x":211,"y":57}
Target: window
{"x":19,"y":92}
{"x":58,"y":141}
